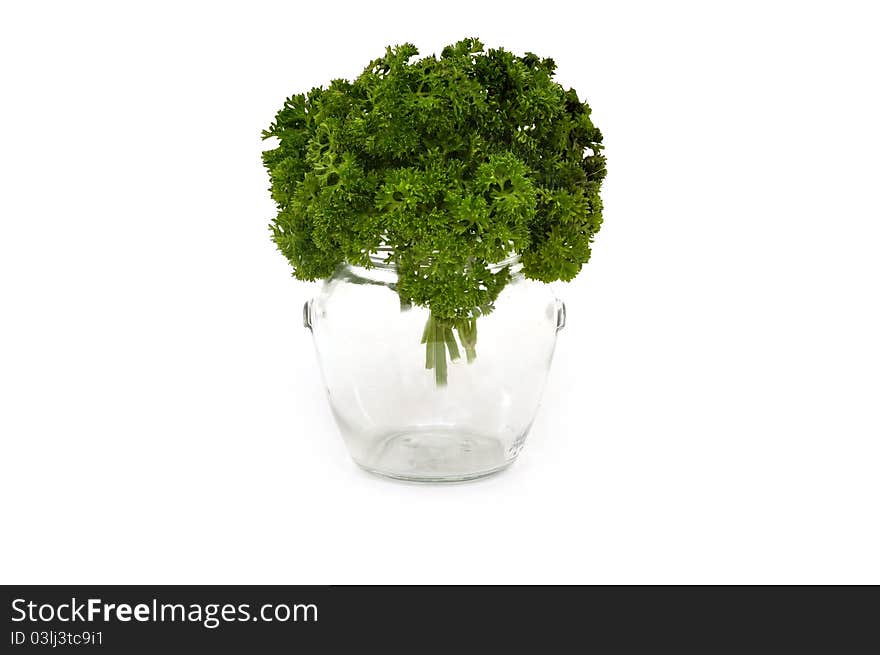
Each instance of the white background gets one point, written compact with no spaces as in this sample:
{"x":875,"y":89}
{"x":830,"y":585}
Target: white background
{"x":712,"y":415}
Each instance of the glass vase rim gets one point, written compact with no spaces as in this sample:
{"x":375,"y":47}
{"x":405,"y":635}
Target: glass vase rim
{"x":380,"y":259}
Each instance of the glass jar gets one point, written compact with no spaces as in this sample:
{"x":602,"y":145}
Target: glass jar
{"x":398,"y":415}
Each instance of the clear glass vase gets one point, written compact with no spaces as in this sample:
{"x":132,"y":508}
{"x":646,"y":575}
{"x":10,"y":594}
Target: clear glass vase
{"x":414,"y":406}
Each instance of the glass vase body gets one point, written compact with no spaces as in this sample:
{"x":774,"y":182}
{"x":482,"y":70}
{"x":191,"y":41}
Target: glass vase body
{"x":397,"y":417}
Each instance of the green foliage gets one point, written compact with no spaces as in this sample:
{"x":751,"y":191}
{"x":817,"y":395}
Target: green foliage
{"x":451,"y":163}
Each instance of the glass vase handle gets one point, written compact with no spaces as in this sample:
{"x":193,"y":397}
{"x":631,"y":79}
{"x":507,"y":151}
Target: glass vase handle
{"x":560,"y":314}
{"x":307,"y":313}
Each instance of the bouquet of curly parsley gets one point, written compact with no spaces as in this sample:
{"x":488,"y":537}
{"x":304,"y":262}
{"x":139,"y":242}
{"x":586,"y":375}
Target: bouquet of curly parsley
{"x":448,"y":165}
